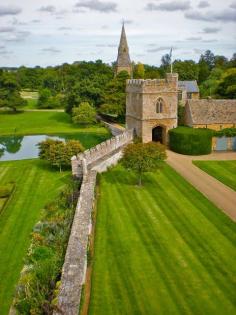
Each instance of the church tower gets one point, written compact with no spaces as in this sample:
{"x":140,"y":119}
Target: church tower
{"x":123,"y":60}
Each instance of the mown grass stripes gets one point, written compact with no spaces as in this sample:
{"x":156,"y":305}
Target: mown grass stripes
{"x":35,"y":185}
{"x":224,"y":171}
{"x":161,"y":249}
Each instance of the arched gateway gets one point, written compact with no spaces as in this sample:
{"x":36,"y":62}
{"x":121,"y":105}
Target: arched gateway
{"x":157,"y":134}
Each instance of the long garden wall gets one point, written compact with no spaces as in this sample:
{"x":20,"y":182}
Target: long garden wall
{"x":86,"y":166}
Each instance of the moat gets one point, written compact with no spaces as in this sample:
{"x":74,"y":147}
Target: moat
{"x":16,"y":147}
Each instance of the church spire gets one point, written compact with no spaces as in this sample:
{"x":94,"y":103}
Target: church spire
{"x":123,"y":60}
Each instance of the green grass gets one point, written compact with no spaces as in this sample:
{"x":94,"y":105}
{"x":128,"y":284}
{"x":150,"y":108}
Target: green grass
{"x":161,"y":249}
{"x":35,"y":185}
{"x":224,"y":171}
{"x":30,"y":123}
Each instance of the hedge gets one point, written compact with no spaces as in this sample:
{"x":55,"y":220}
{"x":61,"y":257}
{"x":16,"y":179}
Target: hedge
{"x":190,"y":141}
{"x":227,"y":132}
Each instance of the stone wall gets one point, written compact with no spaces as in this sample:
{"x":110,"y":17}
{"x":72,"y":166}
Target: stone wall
{"x":96,"y":155}
{"x":75,"y":265}
{"x":85,"y":165}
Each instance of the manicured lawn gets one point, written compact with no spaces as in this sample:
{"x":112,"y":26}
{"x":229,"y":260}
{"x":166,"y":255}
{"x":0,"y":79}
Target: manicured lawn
{"x":162,"y":249}
{"x":45,"y":123}
{"x":36,"y":185}
{"x":224,"y":171}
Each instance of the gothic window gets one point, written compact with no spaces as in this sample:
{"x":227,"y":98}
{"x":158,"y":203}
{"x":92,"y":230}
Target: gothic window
{"x":159,"y":105}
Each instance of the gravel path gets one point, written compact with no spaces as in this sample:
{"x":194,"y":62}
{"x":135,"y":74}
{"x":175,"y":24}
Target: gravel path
{"x":221,"y":195}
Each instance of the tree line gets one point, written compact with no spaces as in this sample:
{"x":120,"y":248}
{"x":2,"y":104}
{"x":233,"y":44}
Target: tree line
{"x":69,"y":85}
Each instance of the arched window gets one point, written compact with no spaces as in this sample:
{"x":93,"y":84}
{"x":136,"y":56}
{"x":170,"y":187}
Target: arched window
{"x":159,"y":105}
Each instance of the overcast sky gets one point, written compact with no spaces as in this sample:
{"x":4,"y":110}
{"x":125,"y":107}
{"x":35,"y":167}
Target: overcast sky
{"x":50,"y":32}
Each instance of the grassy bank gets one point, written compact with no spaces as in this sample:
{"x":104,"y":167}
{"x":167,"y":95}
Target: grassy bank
{"x":161,"y":249}
{"x":24,"y":123}
{"x":224,"y":171}
{"x":35,"y":185}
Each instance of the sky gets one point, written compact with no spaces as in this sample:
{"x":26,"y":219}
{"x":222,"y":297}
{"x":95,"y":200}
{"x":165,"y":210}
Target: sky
{"x":51,"y":32}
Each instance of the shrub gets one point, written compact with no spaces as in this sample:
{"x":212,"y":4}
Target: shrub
{"x":190,"y":141}
{"x":227,"y":132}
{"x":37,"y":288}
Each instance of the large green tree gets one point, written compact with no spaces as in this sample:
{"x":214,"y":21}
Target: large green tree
{"x":10,"y":91}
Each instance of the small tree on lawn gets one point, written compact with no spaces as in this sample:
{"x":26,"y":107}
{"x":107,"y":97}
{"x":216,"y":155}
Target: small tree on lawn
{"x":84,"y":114}
{"x":58,"y":153}
{"x":143,"y":157}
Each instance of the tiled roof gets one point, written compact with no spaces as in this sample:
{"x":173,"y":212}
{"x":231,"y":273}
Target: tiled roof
{"x":189,"y":86}
{"x":212,"y":111}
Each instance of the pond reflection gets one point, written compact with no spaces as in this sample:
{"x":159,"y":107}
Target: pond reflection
{"x":24,"y":147}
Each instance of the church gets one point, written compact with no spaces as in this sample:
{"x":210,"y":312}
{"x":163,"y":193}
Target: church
{"x":152,"y":105}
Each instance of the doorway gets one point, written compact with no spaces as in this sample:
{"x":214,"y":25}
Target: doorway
{"x":157,"y":134}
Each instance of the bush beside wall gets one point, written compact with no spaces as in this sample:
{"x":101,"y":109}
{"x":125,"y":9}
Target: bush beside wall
{"x":190,"y":141}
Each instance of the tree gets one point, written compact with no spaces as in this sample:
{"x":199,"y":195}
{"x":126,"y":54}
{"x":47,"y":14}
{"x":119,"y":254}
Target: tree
{"x":187,"y":69}
{"x":143,"y":157}
{"x":84,"y":114}
{"x":115,"y":96}
{"x":139,"y":71}
{"x":10,"y":91}
{"x":227,"y":86}
{"x":59,"y":153}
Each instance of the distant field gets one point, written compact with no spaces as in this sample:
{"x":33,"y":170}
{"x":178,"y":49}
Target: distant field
{"x":224,"y":171}
{"x":35,"y":185}
{"x":161,"y":249}
{"x":29,"y":123}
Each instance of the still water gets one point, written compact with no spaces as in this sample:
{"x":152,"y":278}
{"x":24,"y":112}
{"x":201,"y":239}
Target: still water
{"x":25,"y":147}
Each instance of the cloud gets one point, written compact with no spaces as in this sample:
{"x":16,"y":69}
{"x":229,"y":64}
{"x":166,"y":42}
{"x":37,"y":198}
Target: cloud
{"x":107,"y":45}
{"x":163,"y":48}
{"x":211,"y":30}
{"x":2,"y":47}
{"x":6,"y":29}
{"x":18,"y":36}
{"x":169,"y":6}
{"x":224,"y":16}
{"x":7,"y":10}
{"x":97,"y":5}
{"x":233,"y":5}
{"x":5,"y":52}
{"x":35,"y":21}
{"x":127,"y":21}
{"x":17,"y":22}
{"x":198,"y":51}
{"x":194,"y":38}
{"x":48,"y":8}
{"x":203,"y":4}
{"x":210,"y":40}
{"x":64,"y":28}
{"x":51,"y":50}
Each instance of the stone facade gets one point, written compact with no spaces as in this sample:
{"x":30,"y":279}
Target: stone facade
{"x":151,"y":107}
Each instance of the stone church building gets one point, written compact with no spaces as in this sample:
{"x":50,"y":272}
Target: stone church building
{"x":152,"y":105}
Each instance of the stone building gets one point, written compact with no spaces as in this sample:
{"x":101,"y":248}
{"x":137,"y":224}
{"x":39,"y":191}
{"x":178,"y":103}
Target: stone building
{"x":210,"y":113}
{"x":151,"y":107}
{"x":123,"y":62}
{"x":188,"y":90}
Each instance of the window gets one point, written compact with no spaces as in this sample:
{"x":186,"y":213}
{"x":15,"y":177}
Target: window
{"x":159,"y":105}
{"x":180,"y":96}
{"x":189,"y":96}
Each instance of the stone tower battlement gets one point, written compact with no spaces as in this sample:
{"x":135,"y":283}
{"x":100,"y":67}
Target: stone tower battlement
{"x":171,"y":81}
{"x":151,"y":107}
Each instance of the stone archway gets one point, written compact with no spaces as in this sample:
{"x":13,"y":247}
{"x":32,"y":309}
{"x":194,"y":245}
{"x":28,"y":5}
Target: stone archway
{"x":157,"y":134}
